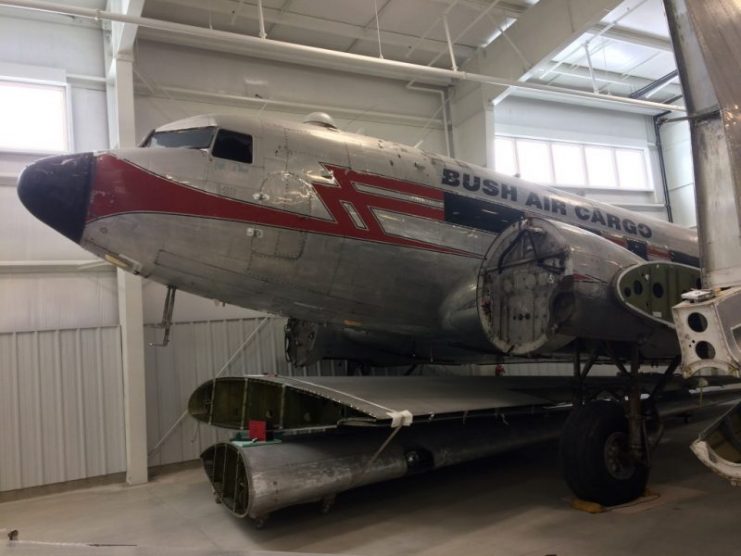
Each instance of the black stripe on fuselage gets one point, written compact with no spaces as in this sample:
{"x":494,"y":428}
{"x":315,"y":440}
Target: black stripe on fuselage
{"x":684,"y":258}
{"x":640,"y":248}
{"x":482,"y":215}
{"x":496,"y":217}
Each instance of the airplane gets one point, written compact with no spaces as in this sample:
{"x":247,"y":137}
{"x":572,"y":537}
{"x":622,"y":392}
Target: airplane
{"x":386,"y":254}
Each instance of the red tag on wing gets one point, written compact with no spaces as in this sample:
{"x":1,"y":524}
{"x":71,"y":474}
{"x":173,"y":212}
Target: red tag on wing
{"x":258,"y":430}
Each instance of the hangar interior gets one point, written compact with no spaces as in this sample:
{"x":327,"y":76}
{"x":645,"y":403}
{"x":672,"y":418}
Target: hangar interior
{"x":85,"y":399}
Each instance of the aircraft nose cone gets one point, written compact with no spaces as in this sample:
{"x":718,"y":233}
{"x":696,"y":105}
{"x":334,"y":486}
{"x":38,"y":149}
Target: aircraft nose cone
{"x":56,"y":190}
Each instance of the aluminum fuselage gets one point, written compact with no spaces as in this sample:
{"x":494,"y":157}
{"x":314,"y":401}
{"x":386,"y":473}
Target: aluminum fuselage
{"x":330,"y":227}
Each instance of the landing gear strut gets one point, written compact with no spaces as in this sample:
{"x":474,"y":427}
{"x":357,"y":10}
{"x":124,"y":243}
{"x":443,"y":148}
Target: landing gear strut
{"x":606,"y":445}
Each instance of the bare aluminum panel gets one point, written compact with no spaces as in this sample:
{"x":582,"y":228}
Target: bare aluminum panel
{"x":706,"y":41}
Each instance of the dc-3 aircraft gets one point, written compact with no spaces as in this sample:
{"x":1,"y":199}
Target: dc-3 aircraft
{"x":382,"y":252}
{"x":385,"y":254}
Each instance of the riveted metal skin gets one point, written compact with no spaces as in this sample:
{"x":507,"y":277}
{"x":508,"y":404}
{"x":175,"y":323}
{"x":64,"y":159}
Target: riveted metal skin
{"x":255,"y":480}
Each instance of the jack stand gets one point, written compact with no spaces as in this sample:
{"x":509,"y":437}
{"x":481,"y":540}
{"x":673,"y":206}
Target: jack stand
{"x":166,"y":317}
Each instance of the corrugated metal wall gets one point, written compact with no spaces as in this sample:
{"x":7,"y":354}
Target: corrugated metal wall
{"x":61,"y":406}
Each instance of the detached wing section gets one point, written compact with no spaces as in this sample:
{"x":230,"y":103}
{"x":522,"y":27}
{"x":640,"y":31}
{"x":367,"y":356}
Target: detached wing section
{"x":311,"y":405}
{"x":319,"y":403}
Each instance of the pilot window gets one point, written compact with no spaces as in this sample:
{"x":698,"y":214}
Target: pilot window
{"x":233,"y":146}
{"x":195,"y":138}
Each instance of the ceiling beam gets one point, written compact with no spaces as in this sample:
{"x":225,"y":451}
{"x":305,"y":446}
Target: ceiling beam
{"x":625,"y":34}
{"x":322,"y":57}
{"x":375,"y":19}
{"x":285,"y":17}
{"x":536,"y":37}
{"x":616,"y":32}
{"x":654,"y":85}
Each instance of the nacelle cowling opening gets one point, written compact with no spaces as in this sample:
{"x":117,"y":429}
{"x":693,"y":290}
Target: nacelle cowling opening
{"x":544,"y":284}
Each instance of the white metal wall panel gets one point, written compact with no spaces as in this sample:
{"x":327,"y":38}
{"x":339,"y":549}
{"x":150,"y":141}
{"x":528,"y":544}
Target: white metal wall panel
{"x":57,"y":301}
{"x":61,"y":410}
{"x":680,"y":177}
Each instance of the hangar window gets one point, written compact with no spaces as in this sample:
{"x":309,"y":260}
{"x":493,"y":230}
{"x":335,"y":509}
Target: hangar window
{"x":33,"y":117}
{"x":570,"y":164}
{"x":535,"y":161}
{"x":600,"y":166}
{"x":505,"y":156}
{"x":233,"y":146}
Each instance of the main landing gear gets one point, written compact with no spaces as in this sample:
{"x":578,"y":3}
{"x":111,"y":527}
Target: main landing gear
{"x":606,"y":444}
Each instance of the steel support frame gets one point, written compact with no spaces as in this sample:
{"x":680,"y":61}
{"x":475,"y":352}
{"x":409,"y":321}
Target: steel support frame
{"x":545,"y":28}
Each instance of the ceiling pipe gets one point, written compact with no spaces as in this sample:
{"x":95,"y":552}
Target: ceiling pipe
{"x":323,"y":57}
{"x":181,"y":93}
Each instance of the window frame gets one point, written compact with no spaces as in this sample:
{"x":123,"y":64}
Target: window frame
{"x":67,"y":114}
{"x":649,"y":186}
{"x":233,"y":132}
{"x":146,"y":143}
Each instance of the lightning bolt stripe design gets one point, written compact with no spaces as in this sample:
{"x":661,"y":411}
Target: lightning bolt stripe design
{"x":146,"y":192}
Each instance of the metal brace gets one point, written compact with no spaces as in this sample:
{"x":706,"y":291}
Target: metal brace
{"x":166,"y":317}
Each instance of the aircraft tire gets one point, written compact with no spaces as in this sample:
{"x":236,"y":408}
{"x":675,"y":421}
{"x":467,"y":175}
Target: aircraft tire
{"x":595,"y":459}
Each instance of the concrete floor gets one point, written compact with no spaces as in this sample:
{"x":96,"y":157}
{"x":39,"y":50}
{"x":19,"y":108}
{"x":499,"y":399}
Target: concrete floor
{"x":514,"y":504}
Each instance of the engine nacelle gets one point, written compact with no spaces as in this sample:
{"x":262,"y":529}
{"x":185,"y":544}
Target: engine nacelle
{"x":543,"y":284}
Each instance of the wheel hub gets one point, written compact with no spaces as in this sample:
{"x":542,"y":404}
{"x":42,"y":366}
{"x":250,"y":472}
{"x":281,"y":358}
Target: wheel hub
{"x":618,"y":460}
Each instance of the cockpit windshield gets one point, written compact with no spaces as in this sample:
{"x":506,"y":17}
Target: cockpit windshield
{"x":194,"y":138}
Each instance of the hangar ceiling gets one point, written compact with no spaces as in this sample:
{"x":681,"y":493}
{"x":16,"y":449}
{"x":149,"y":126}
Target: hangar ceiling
{"x":628,"y":50}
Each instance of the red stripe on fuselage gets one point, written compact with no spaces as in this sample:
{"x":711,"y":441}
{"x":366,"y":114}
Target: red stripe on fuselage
{"x":120,"y":187}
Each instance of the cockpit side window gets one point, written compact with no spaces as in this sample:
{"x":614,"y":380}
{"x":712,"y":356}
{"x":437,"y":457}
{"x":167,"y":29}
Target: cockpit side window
{"x":194,"y":138}
{"x":233,"y":146}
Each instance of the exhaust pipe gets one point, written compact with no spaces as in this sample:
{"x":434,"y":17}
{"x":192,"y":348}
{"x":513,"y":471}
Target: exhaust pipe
{"x":253,"y":480}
